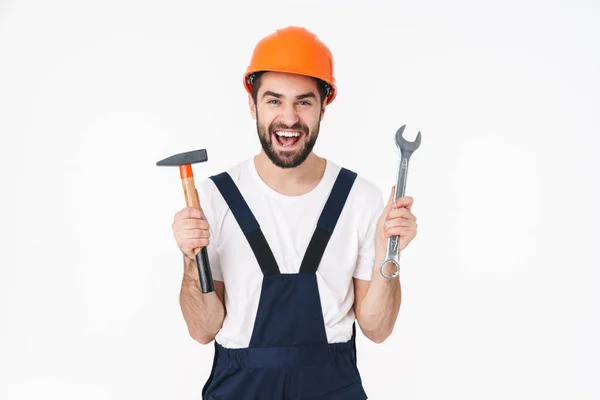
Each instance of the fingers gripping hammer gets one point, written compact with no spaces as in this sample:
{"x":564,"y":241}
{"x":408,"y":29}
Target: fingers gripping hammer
{"x":184,"y":161}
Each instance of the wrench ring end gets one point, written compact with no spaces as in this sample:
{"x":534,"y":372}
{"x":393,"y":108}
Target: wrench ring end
{"x":395,"y":274}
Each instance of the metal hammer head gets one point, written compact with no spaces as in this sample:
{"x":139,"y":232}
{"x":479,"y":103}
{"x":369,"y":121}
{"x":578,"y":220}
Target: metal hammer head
{"x":189,"y":157}
{"x":404,"y":144}
{"x":184,"y":161}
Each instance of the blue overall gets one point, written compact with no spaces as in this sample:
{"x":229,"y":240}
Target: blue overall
{"x":289,"y":357}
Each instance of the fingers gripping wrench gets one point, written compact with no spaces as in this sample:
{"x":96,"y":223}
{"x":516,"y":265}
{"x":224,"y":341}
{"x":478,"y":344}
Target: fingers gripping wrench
{"x":406,"y":149}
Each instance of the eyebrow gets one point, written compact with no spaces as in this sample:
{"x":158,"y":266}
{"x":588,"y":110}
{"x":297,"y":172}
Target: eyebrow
{"x":279,"y":95}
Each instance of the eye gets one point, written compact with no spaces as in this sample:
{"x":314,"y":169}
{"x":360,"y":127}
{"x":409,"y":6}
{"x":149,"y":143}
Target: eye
{"x":305,"y":103}
{"x":273,"y":101}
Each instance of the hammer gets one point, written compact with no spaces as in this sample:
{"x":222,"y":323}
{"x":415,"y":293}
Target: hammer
{"x":184,"y":161}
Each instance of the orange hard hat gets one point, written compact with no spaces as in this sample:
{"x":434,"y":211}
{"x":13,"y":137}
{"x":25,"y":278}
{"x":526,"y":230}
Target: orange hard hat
{"x":295,"y":50}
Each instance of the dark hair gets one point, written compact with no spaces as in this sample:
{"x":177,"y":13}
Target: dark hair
{"x":254,"y":79}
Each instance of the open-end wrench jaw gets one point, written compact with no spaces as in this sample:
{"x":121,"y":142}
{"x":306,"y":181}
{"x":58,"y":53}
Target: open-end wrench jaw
{"x":404,"y":144}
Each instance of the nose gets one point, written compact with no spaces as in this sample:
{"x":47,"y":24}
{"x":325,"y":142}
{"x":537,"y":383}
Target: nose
{"x":289,"y":115}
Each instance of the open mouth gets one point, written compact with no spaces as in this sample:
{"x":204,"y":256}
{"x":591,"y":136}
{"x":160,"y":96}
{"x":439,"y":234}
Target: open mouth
{"x":287,"y":139}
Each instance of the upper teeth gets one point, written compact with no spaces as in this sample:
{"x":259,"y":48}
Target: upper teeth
{"x":287,"y":133}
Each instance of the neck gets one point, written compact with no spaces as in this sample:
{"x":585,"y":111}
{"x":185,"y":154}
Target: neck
{"x":291,"y":181}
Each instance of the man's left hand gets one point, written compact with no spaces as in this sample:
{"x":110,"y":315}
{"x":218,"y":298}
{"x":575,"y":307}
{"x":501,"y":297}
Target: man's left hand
{"x":397,"y":219}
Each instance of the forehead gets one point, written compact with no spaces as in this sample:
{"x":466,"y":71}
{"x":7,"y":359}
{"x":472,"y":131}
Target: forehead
{"x":287,"y":84}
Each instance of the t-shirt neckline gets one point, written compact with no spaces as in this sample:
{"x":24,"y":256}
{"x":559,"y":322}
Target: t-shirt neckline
{"x":272,"y":192}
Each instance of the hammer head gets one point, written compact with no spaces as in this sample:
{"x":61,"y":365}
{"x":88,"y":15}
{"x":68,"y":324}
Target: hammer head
{"x":184,"y":161}
{"x":187,"y":158}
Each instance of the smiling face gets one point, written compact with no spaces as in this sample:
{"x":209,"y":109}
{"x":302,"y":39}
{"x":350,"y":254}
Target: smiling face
{"x":288,"y":113}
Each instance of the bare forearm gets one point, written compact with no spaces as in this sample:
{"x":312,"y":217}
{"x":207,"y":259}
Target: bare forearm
{"x":203,"y":313}
{"x":381,"y":304}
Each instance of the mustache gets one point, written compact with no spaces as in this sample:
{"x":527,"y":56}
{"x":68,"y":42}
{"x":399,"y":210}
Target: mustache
{"x":296,"y":127}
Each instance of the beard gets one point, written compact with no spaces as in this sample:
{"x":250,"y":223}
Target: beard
{"x":287,"y":159}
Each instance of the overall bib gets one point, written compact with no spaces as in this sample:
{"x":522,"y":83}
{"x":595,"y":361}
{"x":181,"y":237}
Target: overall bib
{"x":288,"y":357}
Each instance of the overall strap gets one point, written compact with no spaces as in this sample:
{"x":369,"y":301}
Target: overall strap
{"x":327,"y":221}
{"x":247,"y":222}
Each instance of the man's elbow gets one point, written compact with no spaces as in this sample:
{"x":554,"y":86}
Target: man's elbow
{"x":376,"y":333}
{"x":202,"y":337}
{"x":378,"y":336}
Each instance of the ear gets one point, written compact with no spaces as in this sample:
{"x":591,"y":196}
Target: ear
{"x":322,"y":112}
{"x":252,"y":106}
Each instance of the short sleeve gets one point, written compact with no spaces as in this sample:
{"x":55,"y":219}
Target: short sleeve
{"x":213,"y":258}
{"x":366,"y":252}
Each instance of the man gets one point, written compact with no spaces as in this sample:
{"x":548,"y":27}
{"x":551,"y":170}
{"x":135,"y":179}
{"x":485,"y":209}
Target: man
{"x":295,"y":243}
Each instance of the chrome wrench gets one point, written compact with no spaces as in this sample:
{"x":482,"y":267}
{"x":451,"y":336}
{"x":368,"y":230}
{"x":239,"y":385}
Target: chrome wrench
{"x":406,"y":149}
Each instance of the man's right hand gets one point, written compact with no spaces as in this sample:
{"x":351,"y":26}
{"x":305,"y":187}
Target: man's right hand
{"x":190,"y":229}
{"x":203,"y":313}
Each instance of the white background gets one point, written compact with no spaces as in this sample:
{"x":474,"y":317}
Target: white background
{"x":500,"y":288}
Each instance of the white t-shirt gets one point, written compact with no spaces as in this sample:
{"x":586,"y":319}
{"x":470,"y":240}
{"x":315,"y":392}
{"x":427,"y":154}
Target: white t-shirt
{"x":288,"y":223}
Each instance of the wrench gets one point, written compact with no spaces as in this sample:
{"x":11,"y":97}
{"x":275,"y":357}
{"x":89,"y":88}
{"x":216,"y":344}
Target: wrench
{"x":406,"y":149}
